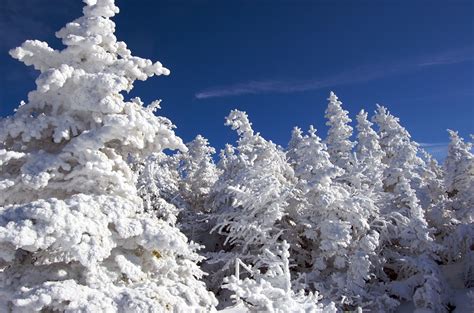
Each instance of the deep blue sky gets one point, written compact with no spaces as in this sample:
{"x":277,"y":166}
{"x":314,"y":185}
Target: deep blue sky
{"x":278,"y":60}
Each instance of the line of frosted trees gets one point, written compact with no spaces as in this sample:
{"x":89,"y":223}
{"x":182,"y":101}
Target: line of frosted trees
{"x":95,"y":217}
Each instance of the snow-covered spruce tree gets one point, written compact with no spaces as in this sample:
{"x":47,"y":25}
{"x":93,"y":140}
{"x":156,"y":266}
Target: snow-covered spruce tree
{"x":404,"y":167}
{"x":459,"y":182}
{"x":412,"y":260}
{"x":335,"y":232}
{"x":295,"y":141}
{"x":407,"y":179}
{"x":198,"y":172}
{"x":74,"y":235}
{"x":401,"y":153}
{"x":459,"y":177}
{"x":431,"y":193}
{"x":249,"y":199}
{"x":415,"y":234}
{"x":339,"y":133}
{"x":433,"y":177}
{"x":314,"y":172}
{"x":369,"y":154}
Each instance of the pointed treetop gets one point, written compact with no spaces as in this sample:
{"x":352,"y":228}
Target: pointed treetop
{"x":383,"y":117}
{"x":368,"y":145}
{"x":454,"y":137}
{"x":296,"y":132}
{"x":458,"y":149}
{"x":200,"y":147}
{"x":362,"y":118}
{"x":339,"y":133}
{"x":239,"y":121}
{"x":365,"y":131}
{"x":78,"y":108}
{"x":91,"y":46}
{"x":389,"y":123}
{"x":296,"y":137}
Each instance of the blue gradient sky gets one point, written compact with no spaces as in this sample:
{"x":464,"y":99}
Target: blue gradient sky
{"x":278,"y":60}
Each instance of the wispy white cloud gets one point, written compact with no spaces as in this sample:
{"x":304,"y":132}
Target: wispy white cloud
{"x":439,"y":150}
{"x":281,"y":86}
{"x":449,"y":57}
{"x":355,"y":75}
{"x":432,"y":144}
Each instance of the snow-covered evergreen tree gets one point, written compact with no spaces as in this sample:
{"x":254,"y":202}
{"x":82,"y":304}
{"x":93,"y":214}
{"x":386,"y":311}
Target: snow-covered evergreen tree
{"x":255,"y":194}
{"x":249,"y":199}
{"x":459,"y":178}
{"x":433,"y":196}
{"x":74,"y":234}
{"x":312,"y":161}
{"x":415,"y":234}
{"x":339,"y":133}
{"x":369,"y":153}
{"x":314,"y":173}
{"x":459,"y":182}
{"x":199,"y":173}
{"x":401,"y":153}
{"x":295,"y":141}
{"x":335,"y":240}
{"x":404,"y":217}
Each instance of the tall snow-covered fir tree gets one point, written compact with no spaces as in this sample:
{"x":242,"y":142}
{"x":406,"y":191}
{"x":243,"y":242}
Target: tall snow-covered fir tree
{"x":339,"y":133}
{"x":414,"y":257}
{"x":198,"y":172}
{"x":74,"y":234}
{"x":459,"y":183}
{"x":249,"y":199}
{"x":401,"y":153}
{"x":459,"y":178}
{"x":336,"y":232}
{"x":369,"y":153}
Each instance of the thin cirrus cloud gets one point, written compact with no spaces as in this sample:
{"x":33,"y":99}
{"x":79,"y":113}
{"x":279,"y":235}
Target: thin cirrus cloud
{"x":278,"y":86}
{"x":449,"y":57}
{"x":439,"y":150}
{"x":355,"y":75}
